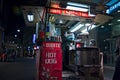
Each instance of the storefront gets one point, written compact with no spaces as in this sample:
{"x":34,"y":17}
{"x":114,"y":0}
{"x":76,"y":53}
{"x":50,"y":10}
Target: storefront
{"x":109,"y":35}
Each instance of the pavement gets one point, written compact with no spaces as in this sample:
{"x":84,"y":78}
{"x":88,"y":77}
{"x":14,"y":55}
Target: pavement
{"x":21,"y":69}
{"x":25,"y":69}
{"x":108,"y":72}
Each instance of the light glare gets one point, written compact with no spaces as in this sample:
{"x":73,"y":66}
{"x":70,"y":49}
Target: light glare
{"x":77,"y":8}
{"x":18,"y":30}
{"x":76,"y":4}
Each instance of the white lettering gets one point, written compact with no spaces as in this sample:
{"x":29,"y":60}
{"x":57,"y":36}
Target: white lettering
{"x":53,"y":45}
{"x":50,"y":61}
{"x":50,"y":55}
{"x":50,"y":58}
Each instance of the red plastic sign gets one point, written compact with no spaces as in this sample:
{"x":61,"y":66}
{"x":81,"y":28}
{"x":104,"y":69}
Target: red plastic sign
{"x":51,"y":61}
{"x":68,"y":12}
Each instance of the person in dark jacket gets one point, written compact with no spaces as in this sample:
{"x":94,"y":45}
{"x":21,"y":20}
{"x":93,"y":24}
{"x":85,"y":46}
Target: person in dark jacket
{"x":116,"y":75}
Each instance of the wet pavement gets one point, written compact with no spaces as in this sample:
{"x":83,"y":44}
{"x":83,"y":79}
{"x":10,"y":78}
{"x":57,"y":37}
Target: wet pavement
{"x":25,"y":69}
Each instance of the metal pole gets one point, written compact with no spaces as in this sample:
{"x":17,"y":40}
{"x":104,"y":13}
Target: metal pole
{"x":37,"y":28}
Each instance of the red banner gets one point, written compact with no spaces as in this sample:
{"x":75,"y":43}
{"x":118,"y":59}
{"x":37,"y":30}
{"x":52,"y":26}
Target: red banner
{"x":68,"y":12}
{"x":51,"y":61}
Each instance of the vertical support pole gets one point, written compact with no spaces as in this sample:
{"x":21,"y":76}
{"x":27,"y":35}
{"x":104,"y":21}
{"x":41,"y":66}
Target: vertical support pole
{"x":101,"y":68}
{"x":37,"y":29}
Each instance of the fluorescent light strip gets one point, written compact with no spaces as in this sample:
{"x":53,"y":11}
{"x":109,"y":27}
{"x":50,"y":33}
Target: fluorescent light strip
{"x":92,"y":15}
{"x":118,"y":11}
{"x":76,"y":28}
{"x":87,"y":24}
{"x":77,"y":8}
{"x":85,"y":30}
{"x":118,"y":20}
{"x":76,"y":4}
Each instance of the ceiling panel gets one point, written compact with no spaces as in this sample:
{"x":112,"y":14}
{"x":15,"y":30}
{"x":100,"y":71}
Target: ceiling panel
{"x":68,"y":21}
{"x":90,"y":2}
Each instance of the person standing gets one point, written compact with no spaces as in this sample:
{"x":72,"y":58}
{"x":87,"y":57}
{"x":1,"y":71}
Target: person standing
{"x":116,"y":75}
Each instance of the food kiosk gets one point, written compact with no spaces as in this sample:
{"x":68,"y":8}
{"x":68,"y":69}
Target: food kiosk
{"x":86,"y":62}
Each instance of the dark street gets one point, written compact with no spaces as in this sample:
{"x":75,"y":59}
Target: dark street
{"x":21,"y":69}
{"x":25,"y":69}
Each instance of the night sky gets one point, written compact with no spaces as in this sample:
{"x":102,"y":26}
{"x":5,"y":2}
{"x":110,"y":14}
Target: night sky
{"x":13,"y":18}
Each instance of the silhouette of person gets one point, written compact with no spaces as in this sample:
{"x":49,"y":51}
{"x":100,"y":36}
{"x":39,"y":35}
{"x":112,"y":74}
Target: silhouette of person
{"x":116,"y":75}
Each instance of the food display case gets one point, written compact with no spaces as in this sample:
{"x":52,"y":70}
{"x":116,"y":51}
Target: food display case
{"x":87,"y":56}
{"x":86,"y":62}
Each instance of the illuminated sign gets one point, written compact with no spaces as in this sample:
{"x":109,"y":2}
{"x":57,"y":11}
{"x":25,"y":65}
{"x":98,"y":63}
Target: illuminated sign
{"x":68,"y":12}
{"x":34,"y":38}
{"x":111,"y":2}
{"x":50,"y":61}
{"x":113,"y":7}
{"x":56,"y":9}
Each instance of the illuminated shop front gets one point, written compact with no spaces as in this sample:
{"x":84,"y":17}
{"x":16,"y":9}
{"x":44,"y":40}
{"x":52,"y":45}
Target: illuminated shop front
{"x":110,"y":32}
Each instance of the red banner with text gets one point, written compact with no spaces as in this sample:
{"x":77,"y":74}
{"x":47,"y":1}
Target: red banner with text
{"x":51,"y":61}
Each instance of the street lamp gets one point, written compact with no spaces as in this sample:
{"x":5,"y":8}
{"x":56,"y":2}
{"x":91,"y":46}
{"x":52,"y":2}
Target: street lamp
{"x":30,"y":16}
{"x":18,"y":30}
{"x":15,"y":35}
